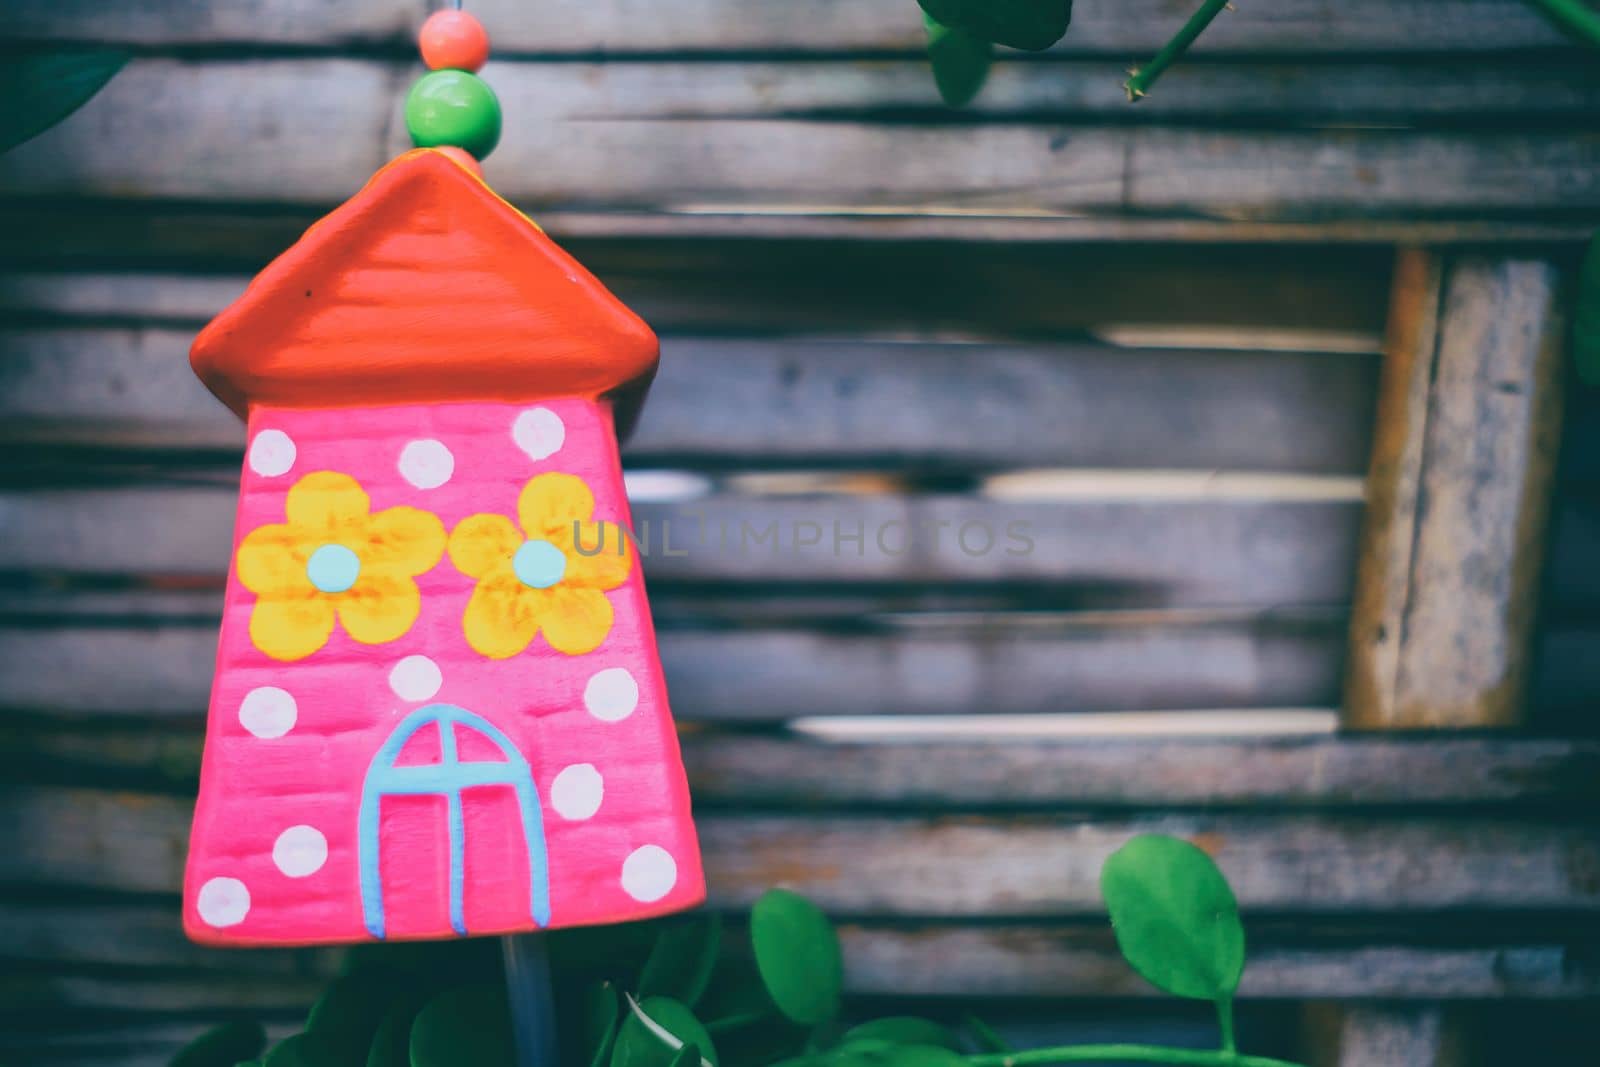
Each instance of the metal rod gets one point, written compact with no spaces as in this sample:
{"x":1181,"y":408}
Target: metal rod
{"x":533,"y":1010}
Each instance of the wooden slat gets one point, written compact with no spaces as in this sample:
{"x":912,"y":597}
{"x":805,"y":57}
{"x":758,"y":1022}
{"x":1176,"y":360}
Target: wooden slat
{"x":53,"y":994}
{"x":755,"y":402}
{"x":733,"y":770}
{"x":149,"y":233}
{"x":1145,"y":773}
{"x":146,"y":136}
{"x":1029,"y":960}
{"x":1143,"y":551}
{"x":1420,"y":1035}
{"x":117,"y":1043}
{"x":953,"y":867}
{"x":620,"y":26}
{"x":823,"y":289}
{"x":1234,"y":91}
{"x":1462,"y":471}
{"x":129,"y":670}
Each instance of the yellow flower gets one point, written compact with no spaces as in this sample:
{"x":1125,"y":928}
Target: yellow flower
{"x":334,"y":557}
{"x":536,"y":577}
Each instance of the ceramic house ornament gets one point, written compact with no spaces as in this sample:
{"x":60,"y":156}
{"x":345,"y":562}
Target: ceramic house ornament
{"x":438,"y":709}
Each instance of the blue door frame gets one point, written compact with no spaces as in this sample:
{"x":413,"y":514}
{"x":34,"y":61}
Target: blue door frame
{"x":448,"y":778}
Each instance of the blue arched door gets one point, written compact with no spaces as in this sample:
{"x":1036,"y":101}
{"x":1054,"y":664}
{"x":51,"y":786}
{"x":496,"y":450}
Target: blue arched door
{"x":448,"y":778}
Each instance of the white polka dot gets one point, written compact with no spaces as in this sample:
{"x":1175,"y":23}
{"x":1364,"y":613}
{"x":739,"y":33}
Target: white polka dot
{"x":539,"y":432}
{"x":415,"y":678}
{"x":267,"y":712}
{"x":576,"y":792}
{"x":223,"y":902}
{"x":649,"y":873}
{"x":271,"y":453}
{"x":300,"y":850}
{"x":427,"y":464}
{"x":611,"y":695}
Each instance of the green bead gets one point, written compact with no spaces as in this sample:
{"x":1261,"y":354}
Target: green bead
{"x":452,"y":107}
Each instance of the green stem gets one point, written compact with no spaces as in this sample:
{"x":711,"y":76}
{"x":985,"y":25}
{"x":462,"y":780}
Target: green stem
{"x":734,"y":1022}
{"x":1225,"y":1024}
{"x":1573,"y":16}
{"x":1143,"y":78}
{"x":1044,"y":1057}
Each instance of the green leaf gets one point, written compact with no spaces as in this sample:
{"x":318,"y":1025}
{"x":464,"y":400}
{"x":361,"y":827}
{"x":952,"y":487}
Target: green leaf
{"x":879,"y":1053}
{"x":920,"y":1056}
{"x":223,"y":1046}
{"x":688,"y":1056}
{"x":1031,"y":25}
{"x":1586,"y":322}
{"x":684,"y":956}
{"x":42,"y":88}
{"x":391,"y":1044}
{"x":960,"y":61}
{"x":1175,"y":917}
{"x":987,"y":1038}
{"x":601,"y":1016}
{"x":797,"y":953}
{"x":655,"y":1031}
{"x":901,"y":1030}
{"x":304,"y":1050}
{"x":467,"y":1026}
{"x":349,"y":1011}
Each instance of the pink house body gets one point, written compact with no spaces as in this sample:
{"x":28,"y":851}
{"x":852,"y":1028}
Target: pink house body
{"x":438,"y":708}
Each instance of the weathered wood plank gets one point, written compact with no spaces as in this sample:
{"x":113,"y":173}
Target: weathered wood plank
{"x":985,"y":961}
{"x":733,"y":770}
{"x":953,"y":867}
{"x":1136,"y":550}
{"x":1388,"y":1035}
{"x":622,"y":26}
{"x":1230,"y":92}
{"x":695,"y":164}
{"x":1031,"y":961}
{"x":770,"y":675}
{"x":1462,"y":471}
{"x":1253,"y":297}
{"x":148,"y":233}
{"x":754,"y":402}
{"x":1291,"y":772}
{"x":162,"y":233}
{"x":46,"y":994}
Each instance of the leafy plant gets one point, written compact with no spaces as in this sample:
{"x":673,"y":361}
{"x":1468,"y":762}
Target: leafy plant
{"x":42,"y":88}
{"x":662,"y":994}
{"x":962,"y":35}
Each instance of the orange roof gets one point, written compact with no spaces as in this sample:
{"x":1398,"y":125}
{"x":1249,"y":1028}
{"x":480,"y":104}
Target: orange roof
{"x":425,"y":286}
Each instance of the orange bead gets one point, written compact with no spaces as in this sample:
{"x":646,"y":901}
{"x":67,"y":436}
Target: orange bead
{"x":453,"y":40}
{"x":462,"y":158}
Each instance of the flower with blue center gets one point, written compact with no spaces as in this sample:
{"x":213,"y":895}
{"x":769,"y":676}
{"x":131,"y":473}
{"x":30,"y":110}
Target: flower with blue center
{"x":547,"y":572}
{"x":335,"y":560}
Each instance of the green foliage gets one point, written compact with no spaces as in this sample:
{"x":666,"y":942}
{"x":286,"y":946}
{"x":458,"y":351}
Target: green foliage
{"x":798,"y":956}
{"x":303,"y":1050}
{"x":461,"y":1027}
{"x":1031,"y":25}
{"x":224,"y":1046}
{"x":1175,"y":917}
{"x":696,"y":1005}
{"x":601,"y":1018}
{"x":348,"y":1013}
{"x":656,"y":1030}
{"x":902,"y":1030}
{"x":1586,"y":322}
{"x":42,"y":88}
{"x":682,"y":960}
{"x":960,"y":61}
